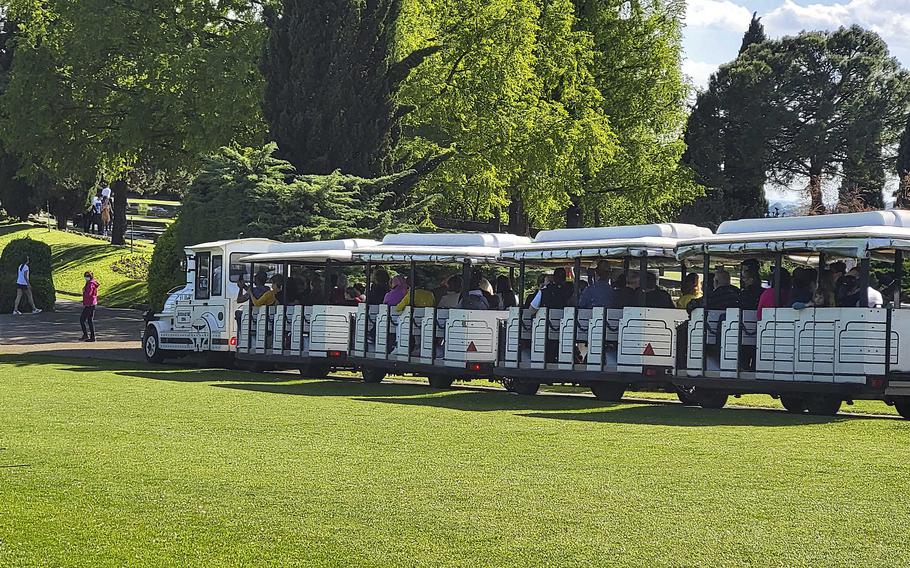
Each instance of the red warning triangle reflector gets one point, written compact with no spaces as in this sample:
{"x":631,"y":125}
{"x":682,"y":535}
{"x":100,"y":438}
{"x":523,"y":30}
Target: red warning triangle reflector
{"x":472,"y":348}
{"x":648,"y":350}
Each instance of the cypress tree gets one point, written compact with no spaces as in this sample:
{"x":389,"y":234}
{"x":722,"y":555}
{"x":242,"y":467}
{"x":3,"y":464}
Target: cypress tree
{"x":902,"y":198}
{"x":755,"y":33}
{"x":331,"y":84}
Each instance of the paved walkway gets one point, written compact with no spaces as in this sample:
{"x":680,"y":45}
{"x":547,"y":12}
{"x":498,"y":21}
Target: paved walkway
{"x":58,"y":333}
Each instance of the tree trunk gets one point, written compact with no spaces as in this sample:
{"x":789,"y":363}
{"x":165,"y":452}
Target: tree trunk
{"x":574,"y":216}
{"x":816,"y":206}
{"x":61,"y":222}
{"x":902,"y":197}
{"x":518,"y":220}
{"x":118,"y":189}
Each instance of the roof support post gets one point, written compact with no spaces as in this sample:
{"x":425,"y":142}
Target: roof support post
{"x":642,"y":279}
{"x":366,"y":303}
{"x":864,"y":266}
{"x":705,"y":293}
{"x":898,"y":277}
{"x":412,"y":289}
{"x":778,"y":262}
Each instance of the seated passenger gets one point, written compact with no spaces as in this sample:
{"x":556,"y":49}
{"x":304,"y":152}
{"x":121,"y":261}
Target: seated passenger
{"x":397,"y":291}
{"x":725,"y":295}
{"x":656,"y":297}
{"x":505,"y":294}
{"x":475,"y":299}
{"x":690,"y":289}
{"x":627,"y":296}
{"x":557,"y":295}
{"x":379,"y":287}
{"x":487,"y":289}
{"x":752,"y":290}
{"x":453,"y":293}
{"x":423,"y":298}
{"x":822,"y":294}
{"x":339,"y":289}
{"x":543,"y":281}
{"x":768,"y":298}
{"x":600,"y":293}
{"x":803,"y":287}
{"x":275,"y":295}
{"x":853,"y":296}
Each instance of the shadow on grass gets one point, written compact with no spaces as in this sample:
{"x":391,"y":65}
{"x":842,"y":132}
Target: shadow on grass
{"x":678,"y":415}
{"x":346,"y":387}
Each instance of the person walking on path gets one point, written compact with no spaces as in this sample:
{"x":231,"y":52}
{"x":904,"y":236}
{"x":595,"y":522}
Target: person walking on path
{"x":89,"y":301}
{"x":24,"y":288}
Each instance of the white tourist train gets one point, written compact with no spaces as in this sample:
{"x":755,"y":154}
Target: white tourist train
{"x":810,"y":354}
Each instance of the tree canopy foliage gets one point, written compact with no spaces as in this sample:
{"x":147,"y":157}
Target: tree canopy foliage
{"x":547,"y":105}
{"x":250,"y":191}
{"x":98,"y":85}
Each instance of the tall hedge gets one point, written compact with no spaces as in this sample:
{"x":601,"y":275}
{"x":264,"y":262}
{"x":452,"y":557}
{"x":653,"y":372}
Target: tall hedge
{"x":250,"y":192}
{"x":40,"y":273}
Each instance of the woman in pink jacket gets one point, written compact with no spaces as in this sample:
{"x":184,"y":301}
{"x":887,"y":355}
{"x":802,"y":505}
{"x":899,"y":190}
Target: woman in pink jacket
{"x":89,"y":301}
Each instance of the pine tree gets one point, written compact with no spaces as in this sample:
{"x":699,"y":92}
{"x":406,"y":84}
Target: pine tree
{"x":331,"y":84}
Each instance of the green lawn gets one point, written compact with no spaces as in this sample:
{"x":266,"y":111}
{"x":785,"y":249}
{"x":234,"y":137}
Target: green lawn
{"x":113,"y":464}
{"x":74,"y":253}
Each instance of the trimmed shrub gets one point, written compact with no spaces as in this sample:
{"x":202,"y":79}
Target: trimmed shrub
{"x":40,"y":273}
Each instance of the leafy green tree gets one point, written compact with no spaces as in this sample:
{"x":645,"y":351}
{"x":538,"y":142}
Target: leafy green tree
{"x":330,"y":98}
{"x":512,"y":96}
{"x":97,"y":86}
{"x":637,"y":51}
{"x":251,"y":192}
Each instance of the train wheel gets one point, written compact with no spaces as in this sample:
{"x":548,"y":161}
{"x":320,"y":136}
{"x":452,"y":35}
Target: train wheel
{"x":372,"y":375}
{"x":710,"y":398}
{"x":151,"y":346}
{"x":794,"y":404}
{"x":519,"y":387}
{"x":823,"y":405}
{"x":686,"y":396}
{"x":315,"y":371}
{"x":609,"y":392}
{"x":902,"y":405}
{"x":441,"y":381}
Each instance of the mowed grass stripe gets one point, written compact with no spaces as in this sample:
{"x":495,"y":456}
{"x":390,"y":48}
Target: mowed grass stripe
{"x":161,"y":466}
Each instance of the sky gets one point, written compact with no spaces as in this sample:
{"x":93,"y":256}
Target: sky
{"x":714,"y":29}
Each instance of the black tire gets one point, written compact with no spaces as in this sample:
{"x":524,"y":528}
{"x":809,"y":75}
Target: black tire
{"x":709,"y":398}
{"x":794,"y":404}
{"x":441,"y":381}
{"x":520,"y":387}
{"x":315,"y":371}
{"x":608,"y":392}
{"x":823,"y":404}
{"x":151,"y":346}
{"x":902,"y":405}
{"x":372,"y":375}
{"x":686,"y":396}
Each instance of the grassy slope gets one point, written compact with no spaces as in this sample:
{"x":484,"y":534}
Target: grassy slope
{"x":108,"y":465}
{"x":73,"y":254}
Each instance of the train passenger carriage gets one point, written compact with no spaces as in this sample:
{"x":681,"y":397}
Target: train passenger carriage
{"x":441,"y":343}
{"x":607,"y":348}
{"x":304,"y":329}
{"x":813,"y":357}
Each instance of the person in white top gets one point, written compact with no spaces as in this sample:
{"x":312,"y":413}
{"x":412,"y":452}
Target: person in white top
{"x":106,"y":192}
{"x":24,"y":288}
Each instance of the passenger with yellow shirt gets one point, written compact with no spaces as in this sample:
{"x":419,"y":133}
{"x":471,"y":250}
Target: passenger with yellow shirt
{"x":274,"y":296}
{"x":422,"y":299}
{"x":690,"y":290}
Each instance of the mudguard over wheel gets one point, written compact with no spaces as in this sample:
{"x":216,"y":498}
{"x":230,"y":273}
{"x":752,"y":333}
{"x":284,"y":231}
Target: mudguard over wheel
{"x":372,"y":375}
{"x":794,"y":404}
{"x":609,"y":392}
{"x":520,"y":387}
{"x":441,"y":381}
{"x":823,"y":404}
{"x":151,"y":346}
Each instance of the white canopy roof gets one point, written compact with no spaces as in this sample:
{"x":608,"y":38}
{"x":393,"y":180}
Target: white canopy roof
{"x":655,"y":241}
{"x":257,"y":242}
{"x":311,"y":251}
{"x":849,"y":235}
{"x":439,"y":247}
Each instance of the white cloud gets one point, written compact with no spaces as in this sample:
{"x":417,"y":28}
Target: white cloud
{"x":717,"y":14}
{"x":888,"y":18}
{"x":698,"y":71}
